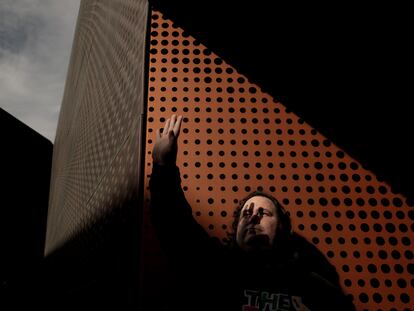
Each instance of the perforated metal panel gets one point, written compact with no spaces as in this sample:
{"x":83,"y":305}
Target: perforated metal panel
{"x":236,"y":139}
{"x":98,"y":142}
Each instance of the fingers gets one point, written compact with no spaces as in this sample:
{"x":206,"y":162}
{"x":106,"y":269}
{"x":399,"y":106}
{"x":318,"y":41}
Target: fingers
{"x":166,"y":127}
{"x":177,"y":126}
{"x":158,"y":135}
{"x":173,"y":124}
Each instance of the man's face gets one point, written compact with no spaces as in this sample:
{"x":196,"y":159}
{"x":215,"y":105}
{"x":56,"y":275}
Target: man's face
{"x":257,"y":224}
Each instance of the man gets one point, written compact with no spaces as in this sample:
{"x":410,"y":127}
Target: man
{"x":265,"y":266}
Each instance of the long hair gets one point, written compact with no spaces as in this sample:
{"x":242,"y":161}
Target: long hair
{"x":283,"y":228}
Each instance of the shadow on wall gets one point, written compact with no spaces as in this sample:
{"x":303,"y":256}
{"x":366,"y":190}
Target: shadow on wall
{"x":98,"y":268}
{"x":340,"y":67}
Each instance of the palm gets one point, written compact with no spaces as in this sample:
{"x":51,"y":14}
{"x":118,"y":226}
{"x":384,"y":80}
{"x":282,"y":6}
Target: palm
{"x":165,"y":147}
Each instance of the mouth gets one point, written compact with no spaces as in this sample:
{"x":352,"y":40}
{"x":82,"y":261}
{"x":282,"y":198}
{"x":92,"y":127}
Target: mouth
{"x":253,"y":230}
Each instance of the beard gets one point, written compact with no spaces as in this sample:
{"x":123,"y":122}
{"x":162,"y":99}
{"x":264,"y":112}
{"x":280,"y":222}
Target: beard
{"x":258,"y":242}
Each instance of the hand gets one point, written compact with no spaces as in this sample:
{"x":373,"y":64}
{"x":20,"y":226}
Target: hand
{"x":165,"y":147}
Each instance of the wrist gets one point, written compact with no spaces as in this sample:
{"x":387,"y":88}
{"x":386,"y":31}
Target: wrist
{"x":163,"y":163}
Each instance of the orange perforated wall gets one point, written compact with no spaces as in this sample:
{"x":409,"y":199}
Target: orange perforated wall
{"x":236,"y":139}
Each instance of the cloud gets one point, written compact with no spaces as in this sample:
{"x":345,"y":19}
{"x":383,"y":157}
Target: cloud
{"x":35,"y":44}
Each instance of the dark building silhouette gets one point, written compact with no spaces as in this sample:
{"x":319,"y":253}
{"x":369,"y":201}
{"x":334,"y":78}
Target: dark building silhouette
{"x":26,"y":158}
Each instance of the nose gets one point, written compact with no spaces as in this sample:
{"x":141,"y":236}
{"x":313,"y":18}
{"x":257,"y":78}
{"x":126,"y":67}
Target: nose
{"x":255,"y":219}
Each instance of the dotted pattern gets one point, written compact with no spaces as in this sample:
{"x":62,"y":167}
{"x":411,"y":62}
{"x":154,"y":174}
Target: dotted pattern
{"x":236,"y":139}
{"x":97,"y":148}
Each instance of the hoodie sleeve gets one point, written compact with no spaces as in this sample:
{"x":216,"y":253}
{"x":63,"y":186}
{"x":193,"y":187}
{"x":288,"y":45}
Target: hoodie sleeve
{"x":181,"y":237}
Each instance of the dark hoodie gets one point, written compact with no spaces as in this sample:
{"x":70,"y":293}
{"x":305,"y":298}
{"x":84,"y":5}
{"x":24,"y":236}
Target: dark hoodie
{"x":211,"y":276}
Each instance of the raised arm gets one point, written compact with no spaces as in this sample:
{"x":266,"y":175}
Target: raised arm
{"x":180,"y":235}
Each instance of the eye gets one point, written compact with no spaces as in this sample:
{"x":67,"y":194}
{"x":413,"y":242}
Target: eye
{"x":263,"y":211}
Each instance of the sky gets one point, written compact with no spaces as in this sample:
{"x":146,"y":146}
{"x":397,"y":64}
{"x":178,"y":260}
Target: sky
{"x":35,"y":45}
